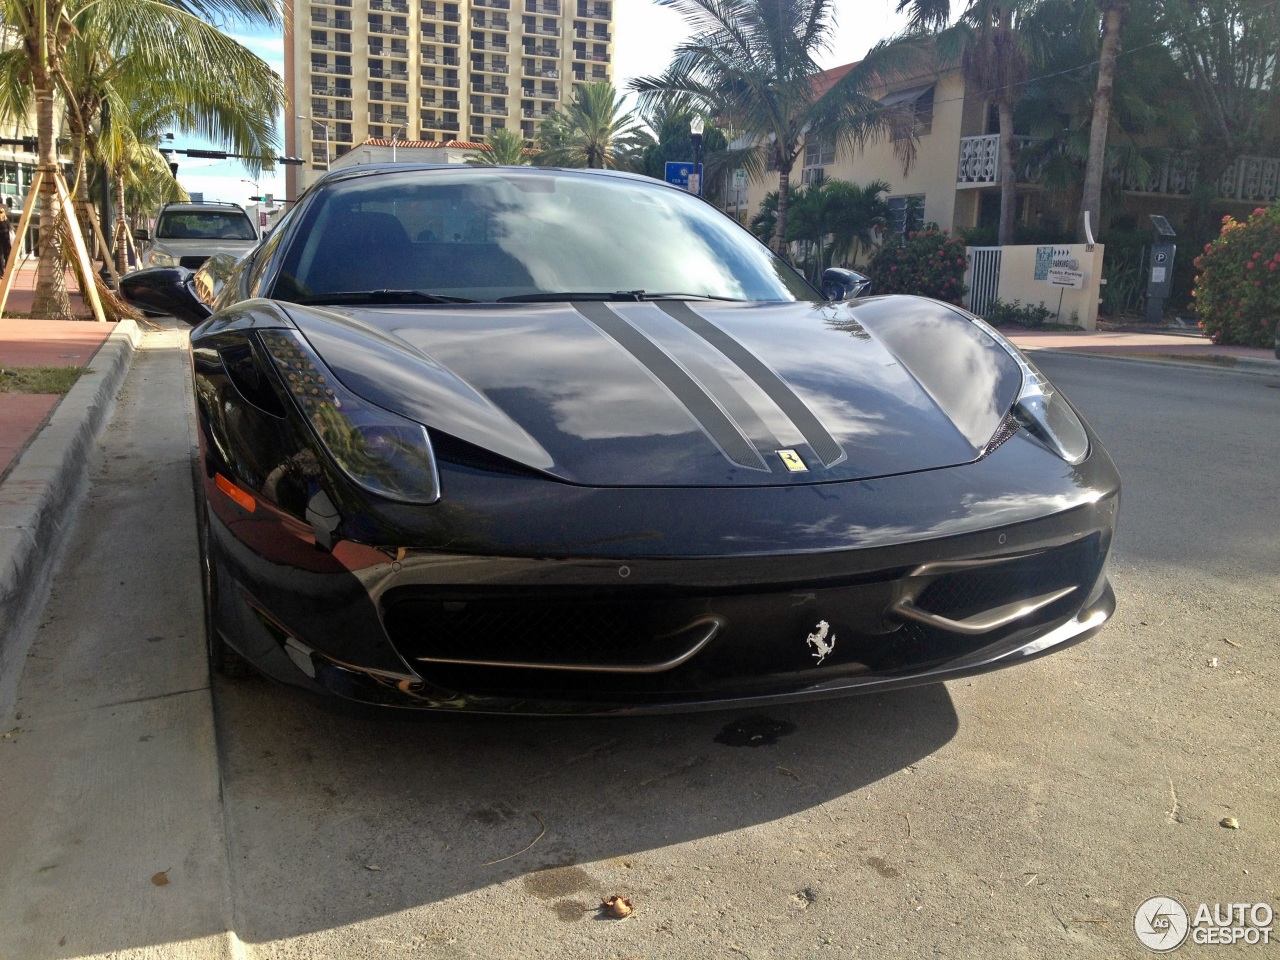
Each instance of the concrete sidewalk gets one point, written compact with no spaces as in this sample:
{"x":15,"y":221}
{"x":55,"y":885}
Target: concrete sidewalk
{"x":1150,"y":346}
{"x":45,"y":441}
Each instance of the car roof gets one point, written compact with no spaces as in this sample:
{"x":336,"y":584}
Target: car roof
{"x":374,"y":169}
{"x":211,"y":206}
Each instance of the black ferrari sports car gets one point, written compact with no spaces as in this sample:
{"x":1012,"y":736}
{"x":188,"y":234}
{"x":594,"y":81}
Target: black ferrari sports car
{"x":572,"y":441}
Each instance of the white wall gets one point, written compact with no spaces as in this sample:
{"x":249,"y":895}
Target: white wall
{"x":1018,"y":281}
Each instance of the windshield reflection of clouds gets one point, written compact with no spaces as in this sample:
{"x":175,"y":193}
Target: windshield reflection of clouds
{"x":588,"y":238}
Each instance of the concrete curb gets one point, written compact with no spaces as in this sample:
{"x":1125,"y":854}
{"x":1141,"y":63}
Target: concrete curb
{"x":40,"y":492}
{"x":1240,"y":365}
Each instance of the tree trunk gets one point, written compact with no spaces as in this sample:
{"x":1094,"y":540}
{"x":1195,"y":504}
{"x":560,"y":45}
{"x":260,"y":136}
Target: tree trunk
{"x":780,"y":228}
{"x":1008,"y":180}
{"x":1095,"y":168}
{"x":50,"y":298}
{"x":121,"y":238}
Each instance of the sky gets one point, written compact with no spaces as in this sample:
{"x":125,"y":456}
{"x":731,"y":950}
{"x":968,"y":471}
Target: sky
{"x":645,"y":35}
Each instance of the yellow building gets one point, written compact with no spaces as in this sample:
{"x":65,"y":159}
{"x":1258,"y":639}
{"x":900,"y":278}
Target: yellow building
{"x":432,"y":70}
{"x":954,"y":180}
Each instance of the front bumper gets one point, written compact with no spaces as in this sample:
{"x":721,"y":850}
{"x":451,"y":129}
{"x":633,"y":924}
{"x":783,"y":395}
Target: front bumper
{"x":429,"y":630}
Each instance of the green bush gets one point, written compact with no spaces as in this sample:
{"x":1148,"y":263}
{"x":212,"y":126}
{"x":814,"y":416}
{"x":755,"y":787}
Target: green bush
{"x":929,"y":262}
{"x":1237,"y":292}
{"x":1000,"y":314}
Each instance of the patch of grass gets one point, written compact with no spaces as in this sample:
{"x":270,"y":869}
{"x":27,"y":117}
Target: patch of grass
{"x":39,"y":379}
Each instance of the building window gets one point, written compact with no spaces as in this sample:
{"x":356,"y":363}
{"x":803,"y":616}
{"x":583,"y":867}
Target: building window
{"x":906,"y":212}
{"x":819,"y":152}
{"x":914,"y":112}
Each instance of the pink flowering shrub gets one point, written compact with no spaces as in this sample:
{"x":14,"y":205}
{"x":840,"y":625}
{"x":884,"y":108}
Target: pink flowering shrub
{"x":1237,"y":288}
{"x":928,"y":261}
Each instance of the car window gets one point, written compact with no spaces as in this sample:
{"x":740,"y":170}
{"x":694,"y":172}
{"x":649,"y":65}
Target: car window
{"x":486,"y":236}
{"x":205,"y":225}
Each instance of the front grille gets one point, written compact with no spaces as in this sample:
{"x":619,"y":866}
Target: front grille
{"x":535,"y":630}
{"x":762,"y":647}
{"x":967,"y":592}
{"x":192,"y":263}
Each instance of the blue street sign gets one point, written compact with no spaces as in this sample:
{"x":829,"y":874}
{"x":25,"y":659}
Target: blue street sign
{"x":678,"y":171}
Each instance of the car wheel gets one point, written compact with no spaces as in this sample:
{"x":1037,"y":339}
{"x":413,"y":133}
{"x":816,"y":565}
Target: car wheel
{"x":222,"y":659}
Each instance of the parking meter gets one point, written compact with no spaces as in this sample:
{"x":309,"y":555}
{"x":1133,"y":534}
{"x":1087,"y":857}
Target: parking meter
{"x":1160,"y":275}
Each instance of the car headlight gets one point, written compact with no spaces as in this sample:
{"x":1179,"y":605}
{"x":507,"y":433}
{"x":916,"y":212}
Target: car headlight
{"x":383,"y":452}
{"x":158,"y":259}
{"x":1041,"y":409}
{"x":1044,"y":413}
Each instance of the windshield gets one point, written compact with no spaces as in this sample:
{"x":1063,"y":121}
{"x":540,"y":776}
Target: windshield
{"x":205,"y":225}
{"x":506,"y":234}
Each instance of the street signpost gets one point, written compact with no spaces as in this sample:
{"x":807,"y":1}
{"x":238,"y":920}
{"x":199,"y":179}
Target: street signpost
{"x":680,"y":173}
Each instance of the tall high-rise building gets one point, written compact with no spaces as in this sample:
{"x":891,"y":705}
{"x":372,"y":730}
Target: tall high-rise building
{"x":432,"y":70}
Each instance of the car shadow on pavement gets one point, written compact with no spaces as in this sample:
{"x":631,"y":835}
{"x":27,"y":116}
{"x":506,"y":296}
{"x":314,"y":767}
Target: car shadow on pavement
{"x":333,"y":820}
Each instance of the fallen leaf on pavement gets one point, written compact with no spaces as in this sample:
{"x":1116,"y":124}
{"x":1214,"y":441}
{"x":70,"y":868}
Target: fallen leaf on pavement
{"x":617,"y":907}
{"x":372,"y":866}
{"x":1231,"y":823}
{"x":161,"y":878}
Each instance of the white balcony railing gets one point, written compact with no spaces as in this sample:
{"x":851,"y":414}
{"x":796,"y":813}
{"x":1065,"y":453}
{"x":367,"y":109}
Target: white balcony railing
{"x":1249,"y":179}
{"x":980,"y":159}
{"x":1174,"y":173}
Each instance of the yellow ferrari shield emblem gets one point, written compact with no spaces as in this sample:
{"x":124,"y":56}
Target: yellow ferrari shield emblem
{"x":791,"y":460}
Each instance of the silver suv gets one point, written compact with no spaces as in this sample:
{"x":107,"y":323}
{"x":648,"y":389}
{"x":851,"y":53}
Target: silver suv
{"x":188,"y":234}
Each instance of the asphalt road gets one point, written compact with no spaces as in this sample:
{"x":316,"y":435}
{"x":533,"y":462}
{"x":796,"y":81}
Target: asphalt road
{"x":1020,"y":814}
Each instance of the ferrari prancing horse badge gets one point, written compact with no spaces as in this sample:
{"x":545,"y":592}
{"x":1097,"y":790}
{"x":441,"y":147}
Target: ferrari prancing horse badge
{"x":791,"y":460}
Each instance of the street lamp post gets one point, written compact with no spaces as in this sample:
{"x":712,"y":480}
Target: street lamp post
{"x":696,"y":126}
{"x":325,"y":124}
{"x":398,"y":129}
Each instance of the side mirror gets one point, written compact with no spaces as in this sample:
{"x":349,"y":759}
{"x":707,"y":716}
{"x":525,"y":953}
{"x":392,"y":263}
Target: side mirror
{"x":165,"y":290}
{"x":839,"y":284}
{"x":142,"y":236}
{"x":208,"y":281}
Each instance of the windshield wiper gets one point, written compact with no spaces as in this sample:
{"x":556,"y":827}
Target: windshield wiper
{"x":614,"y":295}
{"x":381,"y":296}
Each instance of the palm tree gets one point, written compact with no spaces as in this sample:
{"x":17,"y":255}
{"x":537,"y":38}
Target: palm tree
{"x":753,"y":64}
{"x":594,"y":130}
{"x":45,"y":29}
{"x":128,"y":147}
{"x":859,"y":213}
{"x":134,"y":79}
{"x":670,"y":123}
{"x":1113,"y":14}
{"x":503,"y":148}
{"x":993,"y":52}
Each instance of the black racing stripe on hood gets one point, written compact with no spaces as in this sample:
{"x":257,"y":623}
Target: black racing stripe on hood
{"x":717,"y":424}
{"x":823,"y":444}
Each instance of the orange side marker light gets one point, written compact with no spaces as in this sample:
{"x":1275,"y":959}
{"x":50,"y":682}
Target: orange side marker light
{"x":235,"y":493}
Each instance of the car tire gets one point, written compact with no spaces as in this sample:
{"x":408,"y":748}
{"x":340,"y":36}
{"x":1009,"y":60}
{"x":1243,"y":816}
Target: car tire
{"x":222,"y":659}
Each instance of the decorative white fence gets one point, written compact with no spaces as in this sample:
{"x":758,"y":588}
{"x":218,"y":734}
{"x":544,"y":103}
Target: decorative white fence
{"x":984,"y":278}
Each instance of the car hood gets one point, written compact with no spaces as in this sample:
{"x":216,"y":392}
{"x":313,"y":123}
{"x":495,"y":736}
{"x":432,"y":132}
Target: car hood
{"x":688,"y":393}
